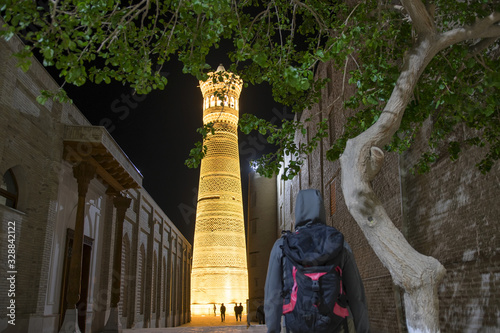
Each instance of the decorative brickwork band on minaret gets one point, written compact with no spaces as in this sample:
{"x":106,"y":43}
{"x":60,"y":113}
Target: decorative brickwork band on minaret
{"x":219,"y":272}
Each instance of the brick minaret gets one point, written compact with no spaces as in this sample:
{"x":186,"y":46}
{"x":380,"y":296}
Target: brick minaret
{"x":219,"y":272}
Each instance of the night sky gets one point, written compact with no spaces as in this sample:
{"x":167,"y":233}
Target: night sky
{"x":157,"y":131}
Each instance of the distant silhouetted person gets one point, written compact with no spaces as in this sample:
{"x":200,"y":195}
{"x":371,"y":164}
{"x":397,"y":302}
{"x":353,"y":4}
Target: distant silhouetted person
{"x":261,"y":317}
{"x":222,"y":312}
{"x":238,"y":309}
{"x":215,"y":310}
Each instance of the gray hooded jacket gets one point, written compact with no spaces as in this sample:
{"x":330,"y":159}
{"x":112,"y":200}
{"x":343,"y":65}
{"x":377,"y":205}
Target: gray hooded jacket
{"x":309,"y":208}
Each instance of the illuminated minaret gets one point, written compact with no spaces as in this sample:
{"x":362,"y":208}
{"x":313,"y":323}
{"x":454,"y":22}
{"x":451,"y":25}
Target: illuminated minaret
{"x":219,"y":271}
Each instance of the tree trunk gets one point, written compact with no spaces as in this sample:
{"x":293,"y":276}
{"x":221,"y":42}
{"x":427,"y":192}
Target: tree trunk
{"x":417,"y":274}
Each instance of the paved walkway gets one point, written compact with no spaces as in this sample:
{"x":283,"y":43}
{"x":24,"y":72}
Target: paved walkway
{"x":203,"y":324}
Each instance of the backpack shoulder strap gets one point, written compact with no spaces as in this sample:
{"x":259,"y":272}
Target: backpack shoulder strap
{"x":284,"y":235}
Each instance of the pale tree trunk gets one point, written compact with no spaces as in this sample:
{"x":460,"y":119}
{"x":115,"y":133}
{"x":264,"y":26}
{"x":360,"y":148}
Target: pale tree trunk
{"x":417,"y":274}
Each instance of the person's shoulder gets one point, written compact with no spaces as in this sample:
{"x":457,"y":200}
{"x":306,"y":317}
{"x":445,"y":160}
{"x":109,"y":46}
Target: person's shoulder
{"x":277,"y":244}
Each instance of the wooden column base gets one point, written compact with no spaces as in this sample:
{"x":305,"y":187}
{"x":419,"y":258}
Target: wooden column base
{"x":70,"y":324}
{"x":113,"y":325}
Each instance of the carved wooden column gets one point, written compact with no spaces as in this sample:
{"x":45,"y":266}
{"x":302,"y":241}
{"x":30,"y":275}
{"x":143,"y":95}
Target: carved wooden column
{"x":168,"y":291}
{"x":148,"y":283}
{"x":159,"y":280}
{"x":84,"y":173}
{"x":113,"y":324}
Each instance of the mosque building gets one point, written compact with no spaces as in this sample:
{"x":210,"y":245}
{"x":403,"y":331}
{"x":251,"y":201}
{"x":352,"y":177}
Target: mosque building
{"x":85,"y":247}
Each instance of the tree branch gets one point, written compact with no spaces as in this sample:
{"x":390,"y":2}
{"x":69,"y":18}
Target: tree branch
{"x":375,"y":163}
{"x":133,"y":13}
{"x":352,"y":12}
{"x":415,"y":63}
{"x":480,"y":46}
{"x":317,"y":17}
{"x":421,"y":19}
{"x":391,"y":7}
{"x":483,"y":28}
{"x":175,"y":18}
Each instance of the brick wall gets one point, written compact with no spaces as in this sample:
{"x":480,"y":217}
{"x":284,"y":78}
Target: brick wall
{"x":452,"y":214}
{"x":31,"y":145}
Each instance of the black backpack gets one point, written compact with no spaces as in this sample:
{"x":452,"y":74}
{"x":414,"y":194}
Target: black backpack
{"x":314,"y":299}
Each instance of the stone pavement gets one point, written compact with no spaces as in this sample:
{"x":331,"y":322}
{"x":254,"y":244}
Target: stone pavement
{"x":202,"y":324}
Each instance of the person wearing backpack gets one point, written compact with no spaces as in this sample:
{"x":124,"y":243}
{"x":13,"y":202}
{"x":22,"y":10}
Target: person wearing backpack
{"x":312,"y":277}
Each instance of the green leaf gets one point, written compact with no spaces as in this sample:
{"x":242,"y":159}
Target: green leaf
{"x":239,"y":44}
{"x":372,"y":100}
{"x":42,"y":99}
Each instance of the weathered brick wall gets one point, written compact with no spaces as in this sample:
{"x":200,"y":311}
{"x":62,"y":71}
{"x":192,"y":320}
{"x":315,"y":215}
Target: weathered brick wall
{"x":452,"y":214}
{"x":31,"y":144}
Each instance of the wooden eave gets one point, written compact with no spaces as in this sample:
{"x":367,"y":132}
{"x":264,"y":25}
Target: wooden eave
{"x":96,"y":146}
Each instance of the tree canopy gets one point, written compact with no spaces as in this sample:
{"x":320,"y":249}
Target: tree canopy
{"x":282,"y":42}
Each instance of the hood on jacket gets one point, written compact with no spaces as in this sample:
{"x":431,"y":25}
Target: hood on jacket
{"x":309,"y":208}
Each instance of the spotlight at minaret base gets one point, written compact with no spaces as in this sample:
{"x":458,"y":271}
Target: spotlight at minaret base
{"x":219,"y":272}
